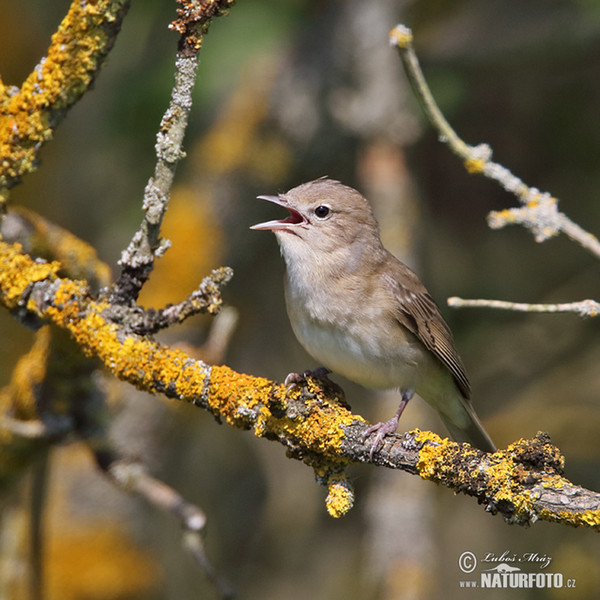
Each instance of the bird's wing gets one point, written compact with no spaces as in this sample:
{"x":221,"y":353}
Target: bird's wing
{"x":417,"y":311}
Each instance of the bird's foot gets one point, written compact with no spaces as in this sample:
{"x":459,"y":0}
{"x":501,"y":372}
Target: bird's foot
{"x":381,"y":430}
{"x":387,"y":427}
{"x":320,"y":373}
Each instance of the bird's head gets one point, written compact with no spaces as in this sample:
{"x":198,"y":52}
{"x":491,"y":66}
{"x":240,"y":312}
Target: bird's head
{"x":324,"y":217}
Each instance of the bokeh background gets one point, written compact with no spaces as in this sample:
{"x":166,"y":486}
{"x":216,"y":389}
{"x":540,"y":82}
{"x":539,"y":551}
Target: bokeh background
{"x":287,"y":92}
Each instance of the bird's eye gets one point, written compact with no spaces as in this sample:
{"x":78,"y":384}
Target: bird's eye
{"x":322,"y":211}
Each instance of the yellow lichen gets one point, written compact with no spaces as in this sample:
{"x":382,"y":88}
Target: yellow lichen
{"x":27,"y":376}
{"x":340,"y":497}
{"x":78,"y":259}
{"x":475,"y":165}
{"x":75,"y":53}
{"x":401,"y":36}
{"x":585,"y":518}
{"x":434,"y":454}
{"x":18,"y":271}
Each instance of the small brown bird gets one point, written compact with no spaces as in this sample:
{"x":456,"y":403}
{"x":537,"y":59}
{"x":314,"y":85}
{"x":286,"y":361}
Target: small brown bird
{"x":362,"y":313}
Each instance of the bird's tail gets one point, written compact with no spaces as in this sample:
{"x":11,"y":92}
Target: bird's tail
{"x":464,"y":426}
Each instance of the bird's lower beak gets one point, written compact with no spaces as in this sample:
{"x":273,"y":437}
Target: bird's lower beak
{"x":294,"y":218}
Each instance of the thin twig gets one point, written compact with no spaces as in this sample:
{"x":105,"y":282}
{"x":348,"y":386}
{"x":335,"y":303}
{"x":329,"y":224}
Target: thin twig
{"x":50,"y":429}
{"x":585,"y":308}
{"x":137,"y":260}
{"x":205,"y":299}
{"x":133,"y":477}
{"x":39,"y":493}
{"x":539,"y":211}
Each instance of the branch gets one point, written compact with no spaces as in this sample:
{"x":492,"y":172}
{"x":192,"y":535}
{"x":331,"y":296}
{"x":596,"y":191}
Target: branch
{"x":133,"y":478}
{"x":584,"y":308}
{"x":524,"y":482}
{"x":137,"y":260}
{"x":539,"y":210}
{"x":29,"y":115}
{"x":46,"y":240}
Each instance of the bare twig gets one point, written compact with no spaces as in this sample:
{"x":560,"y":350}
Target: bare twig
{"x":137,"y":259}
{"x":205,"y":299}
{"x":39,"y":492}
{"x":584,"y":308}
{"x":48,"y":430}
{"x":539,"y":210}
{"x":133,"y":478}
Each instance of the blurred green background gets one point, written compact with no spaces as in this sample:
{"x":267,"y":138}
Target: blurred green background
{"x":287,"y":92}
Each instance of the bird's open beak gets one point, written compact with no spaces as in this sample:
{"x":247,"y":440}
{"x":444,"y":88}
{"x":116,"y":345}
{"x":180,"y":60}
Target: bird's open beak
{"x":293,"y":219}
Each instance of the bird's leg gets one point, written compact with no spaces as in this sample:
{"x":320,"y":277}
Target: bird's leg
{"x":386,"y":427}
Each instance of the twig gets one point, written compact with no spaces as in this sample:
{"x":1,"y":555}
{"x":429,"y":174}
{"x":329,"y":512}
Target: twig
{"x":39,"y":493}
{"x":133,"y":478}
{"x":539,"y":212}
{"x":205,"y":299}
{"x":584,"y":308}
{"x":137,"y":260}
{"x":48,"y":430}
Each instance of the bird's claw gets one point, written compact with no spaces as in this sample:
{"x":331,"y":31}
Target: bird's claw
{"x":381,"y":430}
{"x":320,"y":373}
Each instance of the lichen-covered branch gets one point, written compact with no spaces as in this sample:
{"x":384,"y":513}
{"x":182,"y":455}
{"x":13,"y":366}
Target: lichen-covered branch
{"x":524,"y":482}
{"x":46,"y":240}
{"x":29,"y":114}
{"x":538,"y":211}
{"x":137,"y":259}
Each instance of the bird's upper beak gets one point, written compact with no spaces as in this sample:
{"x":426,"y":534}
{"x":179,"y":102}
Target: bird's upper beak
{"x":293,"y":219}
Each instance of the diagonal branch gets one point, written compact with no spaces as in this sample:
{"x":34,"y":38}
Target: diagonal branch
{"x":538,"y":211}
{"x":28,"y":115}
{"x":524,"y":483}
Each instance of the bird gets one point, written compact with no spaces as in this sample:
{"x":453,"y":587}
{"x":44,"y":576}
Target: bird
{"x":362,"y":313}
